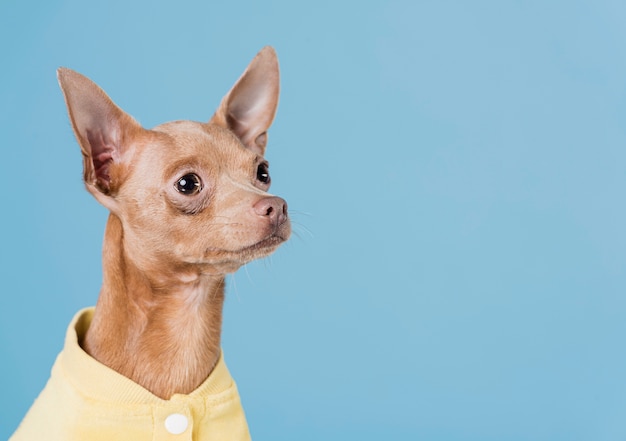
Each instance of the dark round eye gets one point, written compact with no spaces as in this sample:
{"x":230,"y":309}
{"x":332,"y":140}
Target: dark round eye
{"x":263,"y":173}
{"x":189,"y":184}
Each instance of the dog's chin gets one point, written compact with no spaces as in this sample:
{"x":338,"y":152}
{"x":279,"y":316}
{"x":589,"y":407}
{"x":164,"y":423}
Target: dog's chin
{"x":267,"y":245}
{"x":261,"y":249}
{"x":229,"y":261}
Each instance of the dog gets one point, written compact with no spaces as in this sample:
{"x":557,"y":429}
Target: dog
{"x":188,"y":204}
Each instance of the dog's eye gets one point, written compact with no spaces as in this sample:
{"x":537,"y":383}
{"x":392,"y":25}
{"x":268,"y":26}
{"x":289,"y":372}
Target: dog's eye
{"x":189,"y":184}
{"x":263,"y":173}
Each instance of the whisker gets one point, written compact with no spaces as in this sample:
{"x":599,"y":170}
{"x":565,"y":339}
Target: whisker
{"x":215,"y":225}
{"x":304,"y":213}
{"x":235,"y":288}
{"x":245,"y":267}
{"x":295,"y":233}
{"x":301,"y":227}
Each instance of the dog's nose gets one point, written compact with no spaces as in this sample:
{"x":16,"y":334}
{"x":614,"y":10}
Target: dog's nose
{"x":274,"y":208}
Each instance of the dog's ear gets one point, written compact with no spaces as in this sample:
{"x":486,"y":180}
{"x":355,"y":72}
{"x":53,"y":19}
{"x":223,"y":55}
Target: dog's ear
{"x":102,"y":129}
{"x":249,"y":108}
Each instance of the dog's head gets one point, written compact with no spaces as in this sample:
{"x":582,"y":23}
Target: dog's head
{"x":188,"y":194}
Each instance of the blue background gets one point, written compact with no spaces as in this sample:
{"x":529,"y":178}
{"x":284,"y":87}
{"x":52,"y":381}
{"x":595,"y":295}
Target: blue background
{"x":456,"y":173}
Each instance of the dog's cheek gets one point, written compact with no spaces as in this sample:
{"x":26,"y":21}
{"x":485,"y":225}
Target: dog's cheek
{"x":147,"y":221}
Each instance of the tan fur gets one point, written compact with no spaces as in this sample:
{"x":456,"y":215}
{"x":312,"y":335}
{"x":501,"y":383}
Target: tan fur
{"x":158,"y":317}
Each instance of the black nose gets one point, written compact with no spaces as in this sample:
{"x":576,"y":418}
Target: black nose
{"x":274,"y":208}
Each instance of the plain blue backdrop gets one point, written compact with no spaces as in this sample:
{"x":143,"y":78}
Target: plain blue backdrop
{"x":456,"y":173}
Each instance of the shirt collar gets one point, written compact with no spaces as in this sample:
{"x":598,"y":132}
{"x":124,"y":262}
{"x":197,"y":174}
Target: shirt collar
{"x":99,"y":382}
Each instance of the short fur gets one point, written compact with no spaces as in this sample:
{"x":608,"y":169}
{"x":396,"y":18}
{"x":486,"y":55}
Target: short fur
{"x":166,"y":252}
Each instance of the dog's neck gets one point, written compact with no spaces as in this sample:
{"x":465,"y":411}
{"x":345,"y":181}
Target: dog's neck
{"x":156,"y":329}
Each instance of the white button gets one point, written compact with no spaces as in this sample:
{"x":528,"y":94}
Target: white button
{"x":176,"y":423}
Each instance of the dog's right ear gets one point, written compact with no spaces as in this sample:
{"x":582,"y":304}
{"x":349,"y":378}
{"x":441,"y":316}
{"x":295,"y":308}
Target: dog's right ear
{"x":103,"y":131}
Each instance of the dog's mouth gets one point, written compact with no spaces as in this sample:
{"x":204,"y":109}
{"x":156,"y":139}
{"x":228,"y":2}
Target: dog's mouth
{"x":270,"y":242}
{"x":276,"y":235}
{"x":267,"y":245}
{"x":257,"y":250}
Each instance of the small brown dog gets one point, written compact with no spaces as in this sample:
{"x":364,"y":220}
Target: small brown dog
{"x":188,"y":204}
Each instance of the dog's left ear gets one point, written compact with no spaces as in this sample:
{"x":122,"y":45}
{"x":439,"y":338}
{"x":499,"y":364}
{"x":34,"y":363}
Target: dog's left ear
{"x":249,"y":108}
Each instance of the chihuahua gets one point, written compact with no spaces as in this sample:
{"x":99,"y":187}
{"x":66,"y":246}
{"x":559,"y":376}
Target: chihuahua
{"x":188,"y":204}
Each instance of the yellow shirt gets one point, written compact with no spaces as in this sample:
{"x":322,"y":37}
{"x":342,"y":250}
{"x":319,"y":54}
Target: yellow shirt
{"x":85,"y":400}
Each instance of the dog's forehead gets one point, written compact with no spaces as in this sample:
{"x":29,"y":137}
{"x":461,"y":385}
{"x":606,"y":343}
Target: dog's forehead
{"x":193,"y":137}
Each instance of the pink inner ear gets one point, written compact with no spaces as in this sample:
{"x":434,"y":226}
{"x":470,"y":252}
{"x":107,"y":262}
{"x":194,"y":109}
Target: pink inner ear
{"x":261,"y":140}
{"x":101,"y":157}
